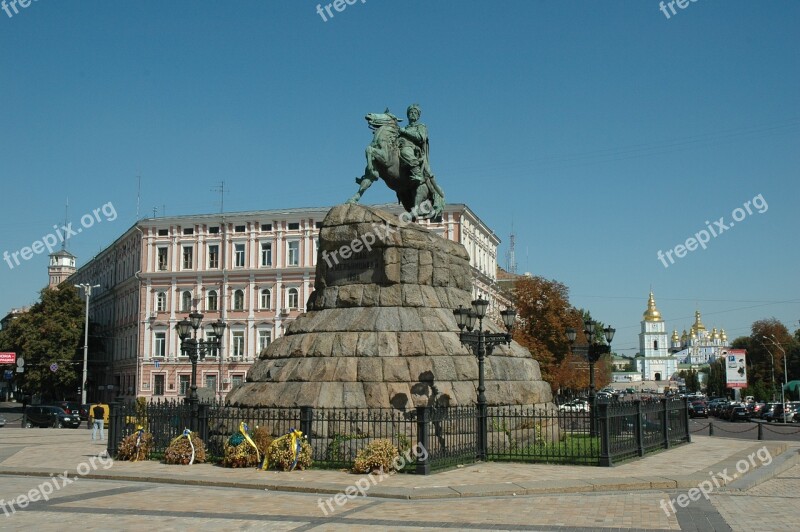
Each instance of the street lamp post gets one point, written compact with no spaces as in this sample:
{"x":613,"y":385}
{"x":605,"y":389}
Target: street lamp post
{"x":197,"y":349}
{"x":87,"y":290}
{"x":775,"y":342}
{"x":595,"y":350}
{"x":482,"y":343}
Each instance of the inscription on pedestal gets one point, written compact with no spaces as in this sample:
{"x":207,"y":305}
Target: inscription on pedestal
{"x":360,"y":268}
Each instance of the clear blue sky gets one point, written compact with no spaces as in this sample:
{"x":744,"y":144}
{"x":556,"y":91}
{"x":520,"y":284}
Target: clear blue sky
{"x":606,"y":131}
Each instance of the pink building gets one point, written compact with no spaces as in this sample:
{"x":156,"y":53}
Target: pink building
{"x":254,"y":270}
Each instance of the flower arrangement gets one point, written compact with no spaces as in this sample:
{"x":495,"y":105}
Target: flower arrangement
{"x":246,"y":449}
{"x":290,"y":451}
{"x":136,"y":446}
{"x":186,"y":449}
{"x":379,"y":455}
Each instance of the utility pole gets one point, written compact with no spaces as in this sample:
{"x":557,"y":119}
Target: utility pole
{"x":87,"y":290}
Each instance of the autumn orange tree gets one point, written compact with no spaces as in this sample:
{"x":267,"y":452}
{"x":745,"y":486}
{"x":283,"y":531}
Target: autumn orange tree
{"x":544,"y":314}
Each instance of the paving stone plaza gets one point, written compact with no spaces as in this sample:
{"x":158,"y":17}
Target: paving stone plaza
{"x":101,"y":495}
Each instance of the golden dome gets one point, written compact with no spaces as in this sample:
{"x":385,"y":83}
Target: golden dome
{"x":698,"y":324}
{"x":723,"y":336}
{"x":675,"y":337}
{"x":714,"y":334}
{"x":684,"y":336}
{"x":652,"y":313}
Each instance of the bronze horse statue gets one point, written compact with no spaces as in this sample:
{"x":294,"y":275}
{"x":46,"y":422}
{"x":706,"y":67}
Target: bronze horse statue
{"x":424,"y":200}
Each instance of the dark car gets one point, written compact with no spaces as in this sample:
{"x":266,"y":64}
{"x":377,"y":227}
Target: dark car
{"x":73,"y":408}
{"x":739,"y":413}
{"x":49,"y":416}
{"x":2,"y":421}
{"x":698,"y":410}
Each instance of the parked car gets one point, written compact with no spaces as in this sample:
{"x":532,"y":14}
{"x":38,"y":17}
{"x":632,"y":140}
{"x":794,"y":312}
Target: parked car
{"x":574,"y":406}
{"x":49,"y":416}
{"x":72,"y":408}
{"x":768,"y":411}
{"x":739,"y":413}
{"x":2,"y":421}
{"x":698,"y":409}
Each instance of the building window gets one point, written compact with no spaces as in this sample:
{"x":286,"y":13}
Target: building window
{"x":237,"y":380}
{"x":294,"y":226}
{"x":237,"y":349}
{"x":162,"y":259}
{"x":211,"y":303}
{"x":183,"y":384}
{"x":292,"y":298}
{"x":264,"y":339}
{"x":213,"y":230}
{"x":163,"y":232}
{"x":188,"y":257}
{"x":655,"y":345}
{"x":160,"y":347}
{"x":238,"y":300}
{"x":239,"y":255}
{"x":188,"y":231}
{"x":211,"y":337}
{"x":158,"y":384}
{"x":293,"y":257}
{"x":239,"y":229}
{"x":186,"y":301}
{"x":161,"y":302}
{"x":266,"y":299}
{"x":211,"y":382}
{"x":318,"y":225}
{"x":266,"y":227}
{"x":213,"y":256}
{"x":266,"y":254}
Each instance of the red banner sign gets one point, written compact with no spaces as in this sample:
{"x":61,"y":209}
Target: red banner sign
{"x":8,"y":358}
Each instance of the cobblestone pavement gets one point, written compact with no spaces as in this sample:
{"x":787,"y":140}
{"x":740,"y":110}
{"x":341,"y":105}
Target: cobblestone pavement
{"x":477,"y":497}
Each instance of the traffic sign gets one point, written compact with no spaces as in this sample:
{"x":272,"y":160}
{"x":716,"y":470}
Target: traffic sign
{"x":8,"y":374}
{"x":20,"y":362}
{"x":53,"y":367}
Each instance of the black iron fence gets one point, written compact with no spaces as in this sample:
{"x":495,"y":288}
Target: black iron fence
{"x":433,"y":438}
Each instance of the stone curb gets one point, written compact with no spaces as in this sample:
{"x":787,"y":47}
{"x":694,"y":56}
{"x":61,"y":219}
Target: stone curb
{"x":784,"y":456}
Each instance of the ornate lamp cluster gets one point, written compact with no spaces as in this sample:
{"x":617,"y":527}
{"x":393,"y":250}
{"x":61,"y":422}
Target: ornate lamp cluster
{"x":197,"y":349}
{"x":482,"y":343}
{"x":595,"y":350}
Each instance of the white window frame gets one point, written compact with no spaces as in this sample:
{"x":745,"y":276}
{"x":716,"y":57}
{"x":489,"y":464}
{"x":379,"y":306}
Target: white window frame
{"x":265,"y":293}
{"x":293,"y":253}
{"x":266,"y":254}
{"x":239,"y":255}
{"x":292,"y":292}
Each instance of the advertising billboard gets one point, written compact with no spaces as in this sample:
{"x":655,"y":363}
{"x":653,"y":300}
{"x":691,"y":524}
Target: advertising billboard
{"x":735,"y":368}
{"x":8,"y":358}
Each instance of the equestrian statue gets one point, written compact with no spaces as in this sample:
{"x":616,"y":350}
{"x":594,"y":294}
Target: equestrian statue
{"x":399,"y":156}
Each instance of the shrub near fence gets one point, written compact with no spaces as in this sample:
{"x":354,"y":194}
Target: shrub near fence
{"x":449,"y":434}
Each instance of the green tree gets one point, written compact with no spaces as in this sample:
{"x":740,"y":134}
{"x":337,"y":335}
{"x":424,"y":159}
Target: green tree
{"x":691,"y":379}
{"x":716,"y":379}
{"x":49,"y":335}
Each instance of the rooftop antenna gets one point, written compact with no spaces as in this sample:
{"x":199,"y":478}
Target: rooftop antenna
{"x":138,"y":194}
{"x":512,"y":256}
{"x":155,"y":212}
{"x":66,"y":224}
{"x":221,"y":189}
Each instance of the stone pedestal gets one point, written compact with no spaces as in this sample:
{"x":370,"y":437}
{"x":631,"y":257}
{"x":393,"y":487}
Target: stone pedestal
{"x":379,"y":329}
